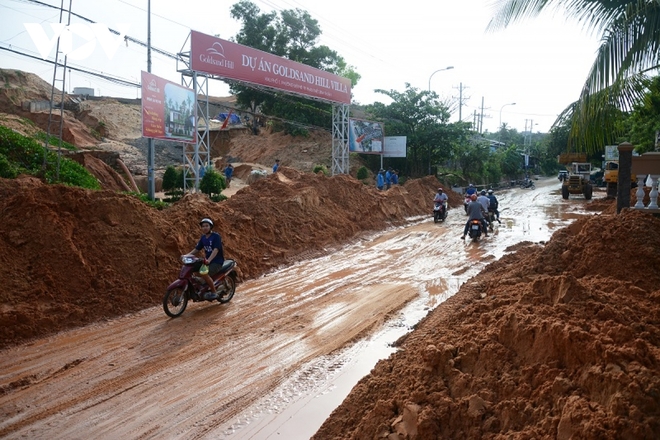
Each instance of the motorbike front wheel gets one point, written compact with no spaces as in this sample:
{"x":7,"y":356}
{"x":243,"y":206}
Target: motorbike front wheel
{"x":175,"y":302}
{"x":436,"y":217}
{"x":228,"y":290}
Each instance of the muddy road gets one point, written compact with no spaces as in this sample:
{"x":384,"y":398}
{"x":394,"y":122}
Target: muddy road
{"x":276,"y":360}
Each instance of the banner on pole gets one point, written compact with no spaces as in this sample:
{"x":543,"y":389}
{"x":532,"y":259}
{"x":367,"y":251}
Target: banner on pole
{"x":167,"y":110}
{"x":394,"y":146}
{"x":365,"y":136}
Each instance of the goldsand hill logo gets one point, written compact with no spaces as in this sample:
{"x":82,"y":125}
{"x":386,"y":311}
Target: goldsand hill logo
{"x":153,"y":86}
{"x":89,"y":33}
{"x":213,"y":53}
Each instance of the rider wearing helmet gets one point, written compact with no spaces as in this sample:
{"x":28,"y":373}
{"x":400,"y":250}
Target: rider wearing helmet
{"x":440,"y":196}
{"x":214,"y":257}
{"x":494,"y":204}
{"x":475,"y":211}
{"x":485,"y":202}
{"x":471,"y":190}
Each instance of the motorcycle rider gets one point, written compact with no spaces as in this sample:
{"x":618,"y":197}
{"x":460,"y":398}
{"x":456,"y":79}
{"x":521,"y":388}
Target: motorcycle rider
{"x":485,"y":201}
{"x":470,"y":190}
{"x":441,"y":197}
{"x":475,"y":212}
{"x":494,"y":204}
{"x":214,"y":257}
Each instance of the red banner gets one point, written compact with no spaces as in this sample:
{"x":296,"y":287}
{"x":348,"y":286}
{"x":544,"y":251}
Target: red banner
{"x":234,"y":61}
{"x":168,"y":110}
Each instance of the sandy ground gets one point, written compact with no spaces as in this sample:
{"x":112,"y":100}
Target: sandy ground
{"x":148,"y":376}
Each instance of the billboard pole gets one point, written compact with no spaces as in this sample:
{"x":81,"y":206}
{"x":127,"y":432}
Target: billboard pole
{"x":151,"y":190}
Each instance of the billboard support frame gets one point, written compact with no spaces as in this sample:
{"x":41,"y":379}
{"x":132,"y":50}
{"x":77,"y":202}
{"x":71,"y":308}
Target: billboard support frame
{"x":199,"y":153}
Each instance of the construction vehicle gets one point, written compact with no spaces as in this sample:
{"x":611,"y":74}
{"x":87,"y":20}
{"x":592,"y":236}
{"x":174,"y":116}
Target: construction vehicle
{"x":579,"y":173}
{"x":611,"y":167}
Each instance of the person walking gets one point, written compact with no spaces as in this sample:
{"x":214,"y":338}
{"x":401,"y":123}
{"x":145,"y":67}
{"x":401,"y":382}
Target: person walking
{"x":276,"y":166}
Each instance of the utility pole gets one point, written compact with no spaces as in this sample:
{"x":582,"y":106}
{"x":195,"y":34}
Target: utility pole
{"x":461,"y":101}
{"x":151,"y":162}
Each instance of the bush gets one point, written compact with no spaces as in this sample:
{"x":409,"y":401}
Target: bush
{"x":321,"y":168}
{"x":362,"y":173}
{"x":212,"y":183}
{"x":170,"y":178}
{"x":7,"y":169}
{"x":158,"y":204}
{"x":26,"y":155}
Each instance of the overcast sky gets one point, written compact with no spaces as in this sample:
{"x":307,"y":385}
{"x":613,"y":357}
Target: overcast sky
{"x":540,"y":65}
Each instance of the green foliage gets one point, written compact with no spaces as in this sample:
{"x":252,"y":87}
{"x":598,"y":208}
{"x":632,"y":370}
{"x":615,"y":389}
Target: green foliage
{"x":212,"y":183}
{"x":628,"y":32}
{"x":170,"y":178}
{"x":362,"y":173}
{"x":424,"y":120}
{"x":25,"y":155}
{"x":158,"y":204}
{"x":645,"y":118}
{"x":54,"y":140}
{"x":321,"y":168}
{"x":7,"y":169}
{"x":291,"y":34}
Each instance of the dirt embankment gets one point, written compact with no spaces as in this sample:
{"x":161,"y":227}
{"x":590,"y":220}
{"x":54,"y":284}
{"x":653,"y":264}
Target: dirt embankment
{"x":556,"y":341}
{"x":70,"y":256}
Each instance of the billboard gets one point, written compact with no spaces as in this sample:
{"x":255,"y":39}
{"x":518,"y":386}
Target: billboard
{"x":234,"y":61}
{"x":394,"y":146}
{"x":365,"y":136}
{"x":611,"y":152}
{"x":167,"y":110}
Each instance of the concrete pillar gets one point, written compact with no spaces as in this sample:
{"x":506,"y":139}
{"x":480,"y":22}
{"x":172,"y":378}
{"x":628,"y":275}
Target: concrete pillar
{"x":625,"y":175}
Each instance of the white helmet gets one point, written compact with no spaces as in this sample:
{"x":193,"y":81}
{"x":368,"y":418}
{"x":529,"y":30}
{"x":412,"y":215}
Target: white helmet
{"x":206,"y":220}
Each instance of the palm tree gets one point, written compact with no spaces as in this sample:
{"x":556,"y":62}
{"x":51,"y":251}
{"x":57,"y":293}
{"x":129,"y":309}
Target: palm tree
{"x":630,"y":48}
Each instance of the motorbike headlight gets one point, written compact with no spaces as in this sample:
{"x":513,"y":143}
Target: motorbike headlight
{"x":187,"y":260}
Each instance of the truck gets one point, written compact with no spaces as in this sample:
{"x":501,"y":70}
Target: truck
{"x":579,"y":173}
{"x":611,"y":167}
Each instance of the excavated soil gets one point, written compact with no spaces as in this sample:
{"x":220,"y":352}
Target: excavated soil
{"x":556,"y":341}
{"x":70,"y":256}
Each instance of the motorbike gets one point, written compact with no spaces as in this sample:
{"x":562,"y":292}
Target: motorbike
{"x":191,"y":288}
{"x":491,"y":219}
{"x":529,"y":183}
{"x":474,"y":229}
{"x":439,"y":212}
{"x":466,"y":202}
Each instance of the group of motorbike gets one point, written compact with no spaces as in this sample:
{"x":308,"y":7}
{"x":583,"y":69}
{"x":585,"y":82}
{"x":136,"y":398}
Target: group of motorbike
{"x":475,"y":227}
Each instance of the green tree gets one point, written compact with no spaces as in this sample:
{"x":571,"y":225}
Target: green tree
{"x":170,"y":178}
{"x":629,"y":32}
{"x":293,"y":34}
{"x":423,"y":119}
{"x":212,"y":183}
{"x":645,"y":118}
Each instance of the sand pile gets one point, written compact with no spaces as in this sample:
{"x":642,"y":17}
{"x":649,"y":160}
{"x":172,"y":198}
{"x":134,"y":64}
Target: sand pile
{"x":69,"y":256}
{"x":557,"y":341}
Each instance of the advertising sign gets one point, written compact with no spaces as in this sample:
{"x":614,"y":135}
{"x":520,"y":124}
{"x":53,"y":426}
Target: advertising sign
{"x":234,"y":61}
{"x":611,"y":152}
{"x":394,"y":146}
{"x":365,"y":136}
{"x":167,"y":110}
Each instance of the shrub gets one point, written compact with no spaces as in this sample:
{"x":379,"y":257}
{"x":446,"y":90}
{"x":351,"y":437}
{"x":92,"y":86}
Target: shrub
{"x":7,"y":169}
{"x":362,"y":173}
{"x":170,"y":178}
{"x":26,"y":155}
{"x":321,"y":168}
{"x":212,"y":183}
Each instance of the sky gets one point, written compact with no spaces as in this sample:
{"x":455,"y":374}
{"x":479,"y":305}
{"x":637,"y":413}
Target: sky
{"x":540,"y":64}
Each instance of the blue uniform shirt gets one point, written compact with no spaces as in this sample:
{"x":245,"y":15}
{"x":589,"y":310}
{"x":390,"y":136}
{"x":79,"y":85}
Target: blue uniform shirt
{"x":209,"y":243}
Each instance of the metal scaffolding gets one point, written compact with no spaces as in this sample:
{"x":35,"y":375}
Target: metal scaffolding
{"x":198,"y":155}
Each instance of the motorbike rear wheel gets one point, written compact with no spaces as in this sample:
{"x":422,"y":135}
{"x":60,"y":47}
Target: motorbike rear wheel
{"x":175,"y":302}
{"x":228,"y":290}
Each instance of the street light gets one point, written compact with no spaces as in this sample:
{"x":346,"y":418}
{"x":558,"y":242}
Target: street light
{"x":511,"y":103}
{"x":440,"y":70}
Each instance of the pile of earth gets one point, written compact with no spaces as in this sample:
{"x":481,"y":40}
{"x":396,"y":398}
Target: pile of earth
{"x":553,"y":341}
{"x":69,"y":256}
